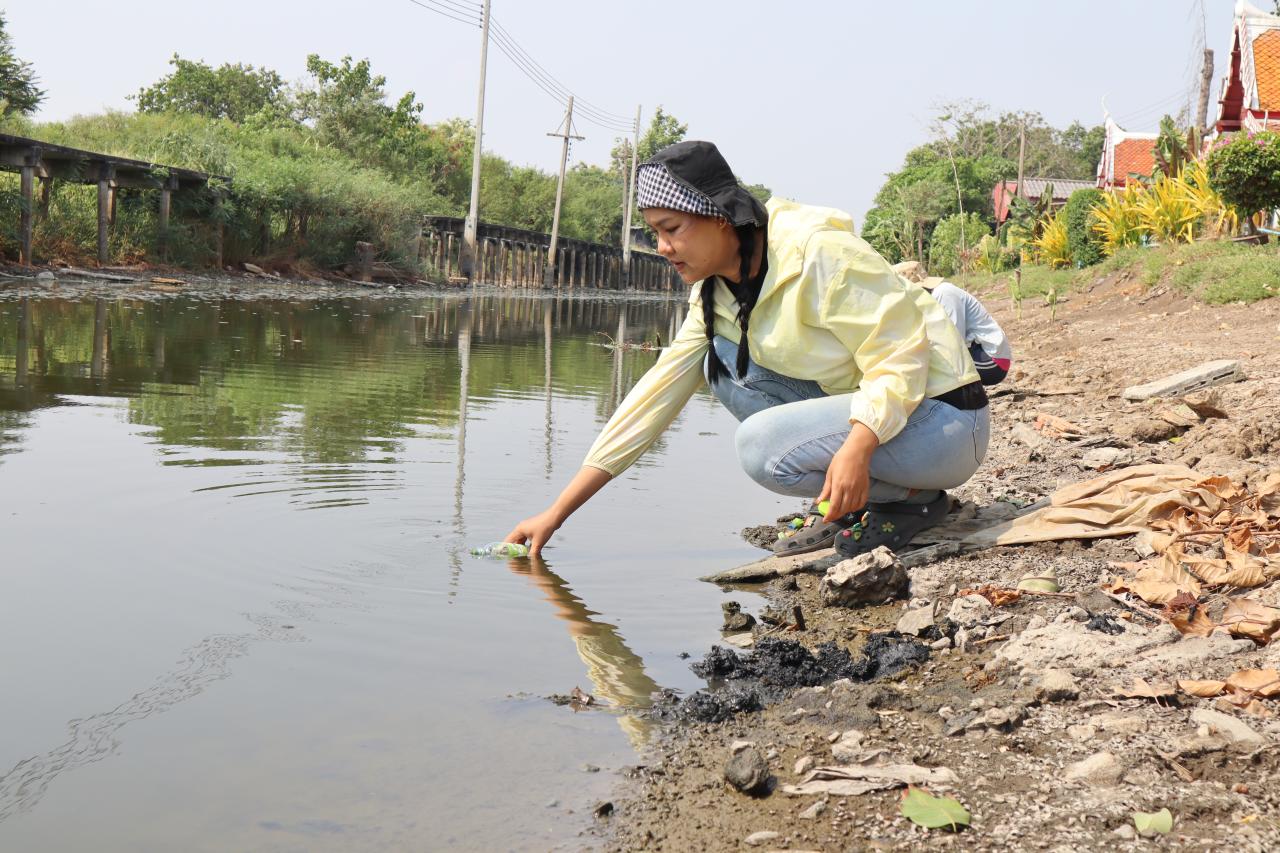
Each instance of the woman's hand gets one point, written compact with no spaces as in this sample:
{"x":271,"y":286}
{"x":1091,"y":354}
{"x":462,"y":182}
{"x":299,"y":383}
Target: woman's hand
{"x":849,"y":475}
{"x":536,"y":530}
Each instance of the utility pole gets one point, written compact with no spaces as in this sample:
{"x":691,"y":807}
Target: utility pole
{"x":1022,"y":153}
{"x":468,"y":259}
{"x":565,"y":133}
{"x":1206,"y":80}
{"x":631,"y":203}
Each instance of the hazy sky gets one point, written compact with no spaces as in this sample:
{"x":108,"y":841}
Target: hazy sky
{"x":815,"y":99}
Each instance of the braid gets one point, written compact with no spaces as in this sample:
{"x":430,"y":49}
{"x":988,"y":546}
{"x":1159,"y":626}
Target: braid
{"x":708,"y":296}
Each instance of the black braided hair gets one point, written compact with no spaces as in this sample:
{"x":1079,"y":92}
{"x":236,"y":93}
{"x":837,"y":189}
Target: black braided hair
{"x":745,"y":294}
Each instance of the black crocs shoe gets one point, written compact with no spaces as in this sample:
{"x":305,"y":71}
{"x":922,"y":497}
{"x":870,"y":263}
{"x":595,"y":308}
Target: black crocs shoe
{"x":893,"y":525}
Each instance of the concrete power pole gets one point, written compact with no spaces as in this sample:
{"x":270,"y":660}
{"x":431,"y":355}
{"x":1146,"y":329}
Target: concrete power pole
{"x":1022,"y":151}
{"x":468,"y":260}
{"x":631,"y":203}
{"x":1206,"y":80}
{"x":565,"y":133}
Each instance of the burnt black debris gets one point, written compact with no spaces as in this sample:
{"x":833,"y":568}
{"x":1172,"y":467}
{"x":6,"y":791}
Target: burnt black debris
{"x":715,"y":707}
{"x":777,"y":663}
{"x":1105,"y":623}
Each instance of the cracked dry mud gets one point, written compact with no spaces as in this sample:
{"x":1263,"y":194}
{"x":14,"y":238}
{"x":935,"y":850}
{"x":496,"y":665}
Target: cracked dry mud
{"x":1046,"y":756}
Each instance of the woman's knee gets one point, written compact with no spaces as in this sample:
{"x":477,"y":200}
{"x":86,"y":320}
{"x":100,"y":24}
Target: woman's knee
{"x":755,"y":449}
{"x":769,"y":455}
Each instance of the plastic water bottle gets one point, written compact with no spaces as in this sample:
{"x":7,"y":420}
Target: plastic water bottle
{"x":501,"y":549}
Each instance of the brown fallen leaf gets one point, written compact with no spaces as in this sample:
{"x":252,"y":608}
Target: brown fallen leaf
{"x":999,"y":596}
{"x":1056,"y":427}
{"x":1257,"y":709}
{"x":1193,"y":623}
{"x":1245,"y":617}
{"x":1202,"y":689}
{"x":1264,"y":683}
{"x":1141,"y":689}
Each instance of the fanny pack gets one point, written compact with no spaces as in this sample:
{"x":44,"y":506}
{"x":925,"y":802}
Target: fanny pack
{"x":966,"y":398}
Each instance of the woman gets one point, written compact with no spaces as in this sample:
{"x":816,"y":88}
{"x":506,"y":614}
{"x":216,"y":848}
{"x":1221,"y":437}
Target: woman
{"x":851,"y":384}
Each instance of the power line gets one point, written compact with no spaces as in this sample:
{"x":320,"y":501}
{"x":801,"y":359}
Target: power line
{"x":432,"y":6}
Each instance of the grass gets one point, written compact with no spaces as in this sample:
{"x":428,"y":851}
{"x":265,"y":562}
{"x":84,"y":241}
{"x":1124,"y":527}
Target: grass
{"x":1213,"y":271}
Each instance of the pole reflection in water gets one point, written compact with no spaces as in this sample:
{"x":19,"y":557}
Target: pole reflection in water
{"x":24,"y":342}
{"x":547,"y":309}
{"x":616,"y":673}
{"x":98,"y":365}
{"x":459,"y":481}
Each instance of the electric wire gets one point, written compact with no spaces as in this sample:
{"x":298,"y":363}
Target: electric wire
{"x":430,"y":5}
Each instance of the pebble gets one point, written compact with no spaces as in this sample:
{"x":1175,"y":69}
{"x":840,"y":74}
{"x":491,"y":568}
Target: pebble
{"x":1057,"y":685}
{"x":848,"y":747}
{"x":1237,"y":731}
{"x":940,"y":644}
{"x":969,"y":610}
{"x":1035,"y":622}
{"x":805,"y":764}
{"x":1125,"y":831}
{"x":755,"y":839}
{"x":814,"y":811}
{"x":739,"y":745}
{"x":1101,"y":768}
{"x":747,"y":770}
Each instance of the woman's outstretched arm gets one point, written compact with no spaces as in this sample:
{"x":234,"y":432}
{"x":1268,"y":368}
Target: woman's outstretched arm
{"x":537,"y":529}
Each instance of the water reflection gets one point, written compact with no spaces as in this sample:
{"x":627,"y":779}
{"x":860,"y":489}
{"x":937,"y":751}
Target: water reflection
{"x":616,"y":673}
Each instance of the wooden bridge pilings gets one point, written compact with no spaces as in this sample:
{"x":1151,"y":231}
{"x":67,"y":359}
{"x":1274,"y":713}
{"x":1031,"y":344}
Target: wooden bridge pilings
{"x":514,"y":257}
{"x":36,"y":160}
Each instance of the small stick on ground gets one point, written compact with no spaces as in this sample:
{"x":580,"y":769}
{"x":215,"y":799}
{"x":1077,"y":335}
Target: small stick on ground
{"x":1136,"y":608}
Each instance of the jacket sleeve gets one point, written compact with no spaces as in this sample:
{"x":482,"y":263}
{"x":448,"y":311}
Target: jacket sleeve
{"x":655,"y":401}
{"x":870,"y":311}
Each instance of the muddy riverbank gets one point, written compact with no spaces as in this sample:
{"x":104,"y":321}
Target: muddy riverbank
{"x":1025,"y":709}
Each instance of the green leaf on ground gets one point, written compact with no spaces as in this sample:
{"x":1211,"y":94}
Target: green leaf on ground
{"x":1153,"y":823}
{"x":924,"y":809}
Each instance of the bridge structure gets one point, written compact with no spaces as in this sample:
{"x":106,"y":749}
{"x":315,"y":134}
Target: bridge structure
{"x":515,"y":257}
{"x":36,"y":160}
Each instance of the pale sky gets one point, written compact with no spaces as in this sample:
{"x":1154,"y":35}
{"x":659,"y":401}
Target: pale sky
{"x":814,"y":98}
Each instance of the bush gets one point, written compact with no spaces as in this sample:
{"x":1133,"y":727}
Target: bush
{"x":1245,"y":171}
{"x":946,"y":255}
{"x":1082,"y":241}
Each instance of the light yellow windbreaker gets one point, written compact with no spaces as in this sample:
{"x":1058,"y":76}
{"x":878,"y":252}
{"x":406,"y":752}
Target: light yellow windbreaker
{"x":830,"y":310}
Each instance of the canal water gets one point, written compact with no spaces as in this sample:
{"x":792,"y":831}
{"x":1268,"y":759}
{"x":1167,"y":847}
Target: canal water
{"x":237,"y":610}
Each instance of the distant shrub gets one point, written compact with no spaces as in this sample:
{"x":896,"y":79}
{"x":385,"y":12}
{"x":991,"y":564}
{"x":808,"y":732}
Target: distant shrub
{"x":1245,"y":171}
{"x":946,"y":255}
{"x":1083,"y":242}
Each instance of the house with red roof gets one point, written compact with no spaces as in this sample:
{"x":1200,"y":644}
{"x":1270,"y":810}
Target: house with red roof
{"x":1251,"y":91}
{"x":1033,"y":189}
{"x":1126,"y":155}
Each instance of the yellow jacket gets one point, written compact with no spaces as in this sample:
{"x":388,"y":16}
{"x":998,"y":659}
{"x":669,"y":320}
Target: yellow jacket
{"x":830,"y":310}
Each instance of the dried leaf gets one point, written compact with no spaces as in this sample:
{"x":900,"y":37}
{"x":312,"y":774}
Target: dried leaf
{"x":924,"y":809}
{"x":1153,"y":823}
{"x":1245,"y":617}
{"x":1202,"y":689}
{"x":1056,"y":427}
{"x":1257,"y":709}
{"x":1193,"y":623}
{"x":1140,"y":689}
{"x":997,"y":595}
{"x":1258,"y":682}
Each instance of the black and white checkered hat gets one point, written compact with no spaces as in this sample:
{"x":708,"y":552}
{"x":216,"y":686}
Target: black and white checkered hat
{"x":694,"y":177}
{"x":655,"y":187}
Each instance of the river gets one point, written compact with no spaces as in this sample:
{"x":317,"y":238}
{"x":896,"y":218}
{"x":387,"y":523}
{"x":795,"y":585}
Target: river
{"x":237,"y":610}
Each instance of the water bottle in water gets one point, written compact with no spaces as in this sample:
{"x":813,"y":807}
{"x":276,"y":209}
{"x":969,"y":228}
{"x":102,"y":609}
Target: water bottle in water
{"x":501,"y":549}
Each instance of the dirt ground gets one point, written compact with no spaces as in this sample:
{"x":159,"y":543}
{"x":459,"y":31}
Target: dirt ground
{"x":1052,"y":761}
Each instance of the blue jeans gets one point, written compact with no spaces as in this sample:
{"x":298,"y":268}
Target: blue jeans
{"x":790,"y":429}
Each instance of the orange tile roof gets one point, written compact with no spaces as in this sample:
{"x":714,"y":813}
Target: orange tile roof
{"x":1266,"y":67}
{"x":1133,"y":155}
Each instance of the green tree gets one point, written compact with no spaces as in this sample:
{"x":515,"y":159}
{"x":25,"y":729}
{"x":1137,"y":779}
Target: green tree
{"x":664,"y":129}
{"x":948,"y":253}
{"x":18,"y":90}
{"x":229,"y":91}
{"x":1245,"y":171}
{"x":1082,"y":240}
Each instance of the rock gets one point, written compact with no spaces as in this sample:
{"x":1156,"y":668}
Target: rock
{"x":1102,"y":457}
{"x":872,"y":578}
{"x":970,"y":610}
{"x":1125,"y":831}
{"x":1082,"y":732}
{"x":747,"y":770}
{"x":1148,"y":430}
{"x":603,"y":809}
{"x":941,"y":643}
{"x":1101,"y":768}
{"x":755,"y":839}
{"x":1235,"y":730}
{"x":915,"y":622}
{"x":1036,"y":621}
{"x":745,"y":640}
{"x":44,"y":278}
{"x":739,"y":745}
{"x":849,"y":747}
{"x":1057,"y":685}
{"x":805,"y":764}
{"x":814,"y":811}
{"x":735,"y":621}
{"x":253,"y":268}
